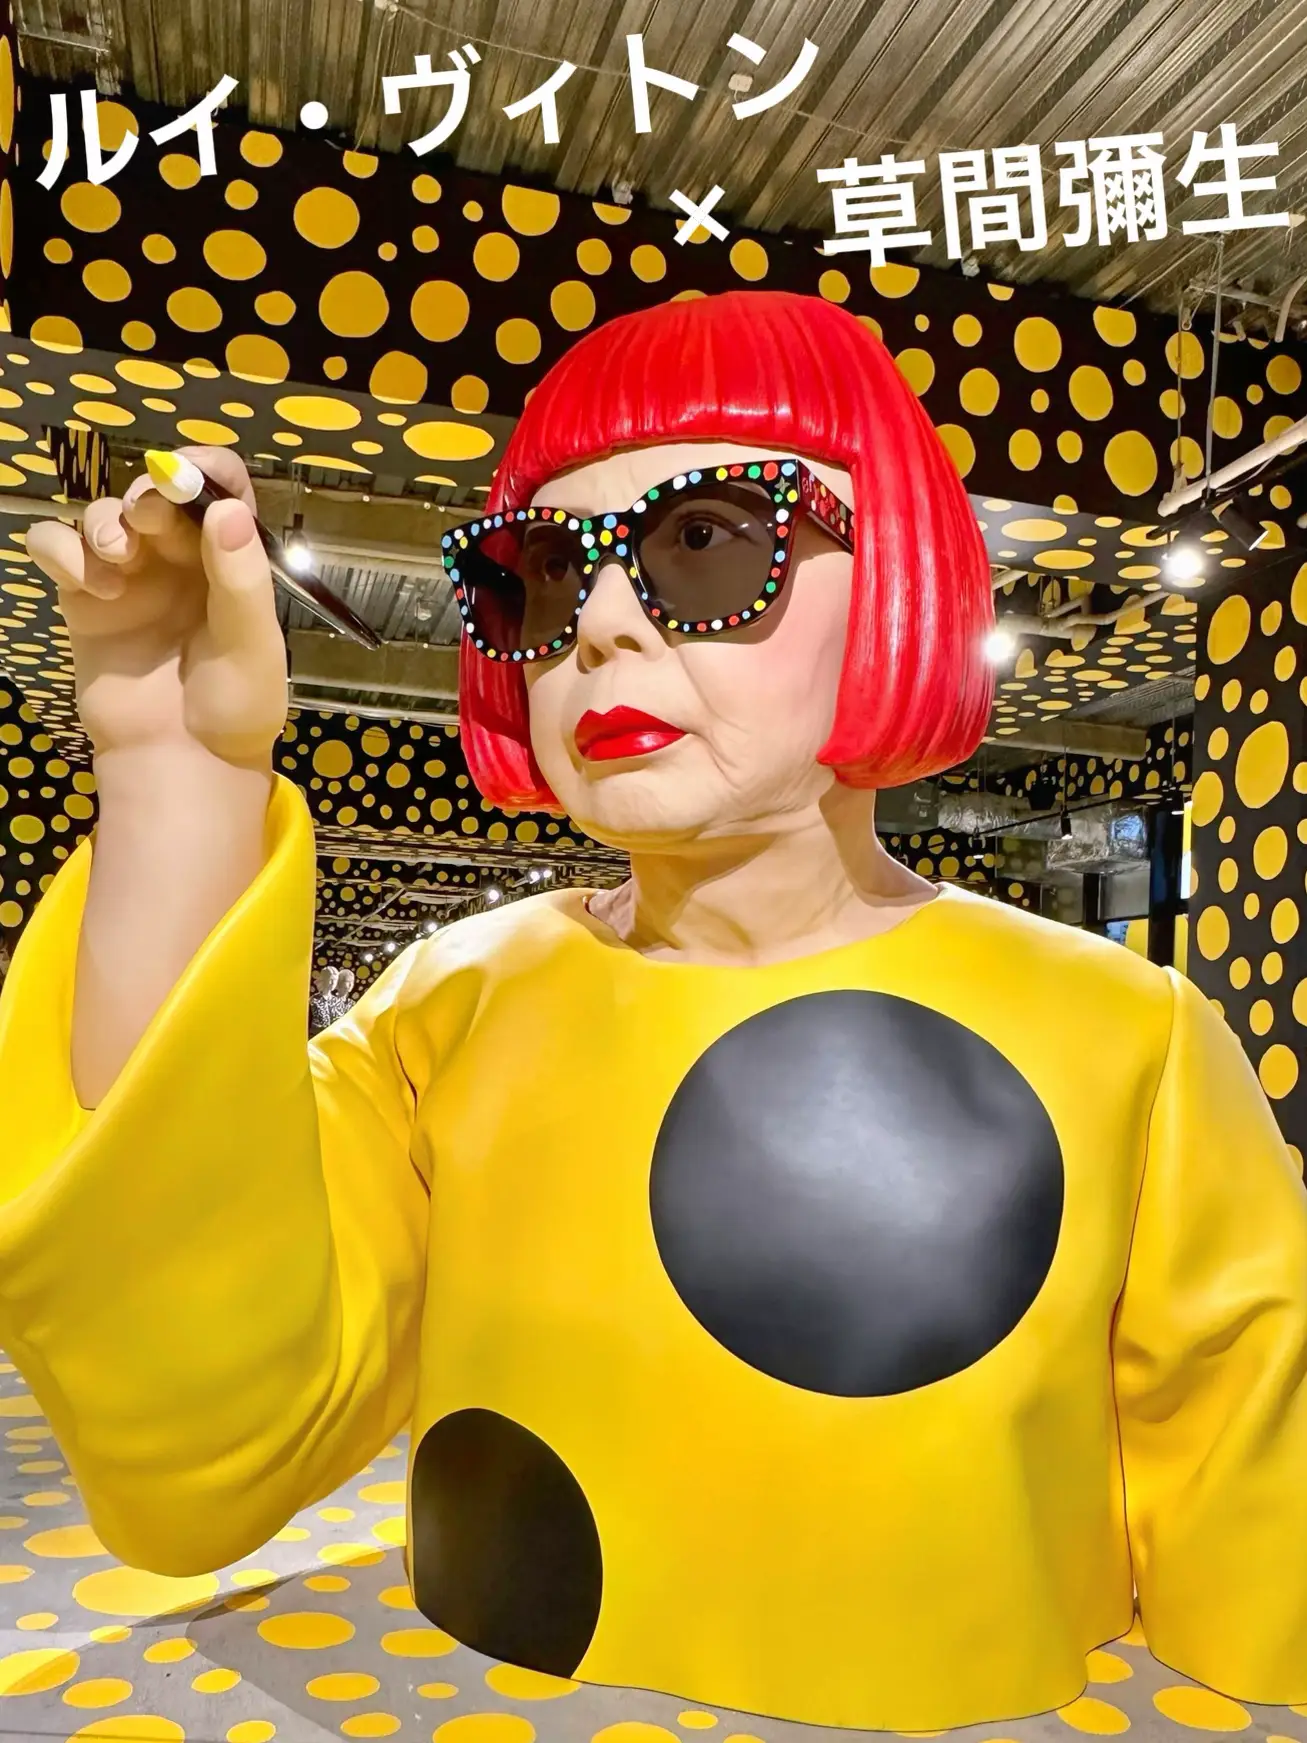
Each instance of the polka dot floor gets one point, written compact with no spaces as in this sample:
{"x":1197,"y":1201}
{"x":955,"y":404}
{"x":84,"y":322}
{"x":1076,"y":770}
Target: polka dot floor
{"x":315,"y":1637}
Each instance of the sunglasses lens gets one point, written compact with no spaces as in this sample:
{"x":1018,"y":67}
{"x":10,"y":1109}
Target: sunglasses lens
{"x":521,"y":584}
{"x":708,"y":554}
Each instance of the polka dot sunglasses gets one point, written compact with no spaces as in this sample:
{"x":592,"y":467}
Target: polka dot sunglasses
{"x":705,"y":552}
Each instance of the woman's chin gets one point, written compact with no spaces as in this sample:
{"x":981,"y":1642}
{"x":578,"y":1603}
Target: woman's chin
{"x":638,"y":808}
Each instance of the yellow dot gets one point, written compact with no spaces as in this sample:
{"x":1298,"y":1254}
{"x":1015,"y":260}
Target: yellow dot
{"x":834,"y":286}
{"x":56,"y":333}
{"x":529,"y":211}
{"x":1261,"y":1017}
{"x":1231,"y":691}
{"x":1131,"y":462}
{"x":894,"y":279}
{"x":252,"y":1731}
{"x":517,"y":1684}
{"x":749,"y":259}
{"x":1270,"y":852}
{"x":104,"y":413}
{"x":1275,"y":426}
{"x":1240,"y":973}
{"x":1226,"y":832}
{"x":306,"y":1630}
{"x":1227,"y":419}
{"x":1134,"y":372}
{"x":440,"y":440}
{"x":693,"y":1721}
{"x":1284,"y":920}
{"x":35,"y":1672}
{"x":1100,"y":1718}
{"x":106,"y":280}
{"x":90,"y":208}
{"x":237,"y":408}
{"x":123,"y":1591}
{"x":439,"y":310}
{"x":1023,"y":446}
{"x":179,"y":170}
{"x":1272,"y":967}
{"x":207,"y":433}
{"x":1070,"y":445}
{"x":961,"y":449}
{"x":1213,"y":933}
{"x":572,"y":304}
{"x":56,"y":249}
{"x":517,"y":340}
{"x":917,"y":368}
{"x":1184,"y":355}
{"x":353,"y":305}
{"x":593,"y":256}
{"x":102,"y":1691}
{"x":370,"y":1725}
{"x":441,"y":1691}
{"x":967,"y":330}
{"x":1208,"y":797}
{"x":274,"y":307}
{"x":8,"y":96}
{"x":1262,"y":764}
{"x":171,"y":1651}
{"x":1283,"y":374}
{"x":194,"y":310}
{"x":1229,"y":629}
{"x":342,"y":1686}
{"x":425,"y":239}
{"x":1115,"y":326}
{"x":510,"y":1728}
{"x":496,"y":256}
{"x":647,"y":263}
{"x":1091,"y":391}
{"x":234,"y":254}
{"x":240,"y":195}
{"x":310,"y":411}
{"x":469,"y":394}
{"x":398,"y":378}
{"x":66,"y":1542}
{"x":978,"y":391}
{"x":1278,"y":1071}
{"x":253,"y":357}
{"x":1037,"y":343}
{"x":387,"y":251}
{"x":215,"y":1682}
{"x":261,"y":149}
{"x":333,"y":759}
{"x":1201,"y":1709}
{"x":418,"y":1643}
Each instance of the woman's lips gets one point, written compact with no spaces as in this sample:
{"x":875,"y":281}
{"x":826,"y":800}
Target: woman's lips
{"x":622,"y":732}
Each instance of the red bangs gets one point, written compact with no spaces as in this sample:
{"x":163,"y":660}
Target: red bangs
{"x":794,"y":373}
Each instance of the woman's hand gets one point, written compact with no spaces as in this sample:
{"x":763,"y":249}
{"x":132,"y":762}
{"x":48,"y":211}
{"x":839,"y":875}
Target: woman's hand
{"x":174,"y":631}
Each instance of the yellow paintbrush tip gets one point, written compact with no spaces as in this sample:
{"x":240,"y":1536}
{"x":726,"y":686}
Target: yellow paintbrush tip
{"x":173,"y":475}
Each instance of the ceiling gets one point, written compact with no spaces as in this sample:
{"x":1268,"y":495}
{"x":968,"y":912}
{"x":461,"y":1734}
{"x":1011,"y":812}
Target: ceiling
{"x":915,"y":77}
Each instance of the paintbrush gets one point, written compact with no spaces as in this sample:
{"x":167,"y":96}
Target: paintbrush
{"x":180,"y":481}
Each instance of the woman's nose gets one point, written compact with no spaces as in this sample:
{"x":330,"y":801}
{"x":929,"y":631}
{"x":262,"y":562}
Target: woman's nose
{"x":612,"y":619}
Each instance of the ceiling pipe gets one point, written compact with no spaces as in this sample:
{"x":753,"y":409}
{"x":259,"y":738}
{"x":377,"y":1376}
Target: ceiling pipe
{"x":1253,"y":461}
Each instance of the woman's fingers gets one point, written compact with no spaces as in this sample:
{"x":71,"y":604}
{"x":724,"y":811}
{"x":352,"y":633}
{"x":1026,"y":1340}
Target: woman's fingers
{"x":107,"y":534}
{"x":60,"y":552}
{"x":242,"y":607}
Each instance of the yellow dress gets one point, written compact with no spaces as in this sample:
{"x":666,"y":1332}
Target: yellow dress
{"x":837,"y":1341}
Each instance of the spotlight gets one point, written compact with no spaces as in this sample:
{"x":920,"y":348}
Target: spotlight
{"x":1183,"y":565}
{"x":1066,"y":826}
{"x":367,"y":956}
{"x":492,"y":894}
{"x":1000,"y":645}
{"x":431,"y":928}
{"x":390,"y":950}
{"x":1249,"y":533}
{"x":533,"y":876}
{"x":298,"y":554}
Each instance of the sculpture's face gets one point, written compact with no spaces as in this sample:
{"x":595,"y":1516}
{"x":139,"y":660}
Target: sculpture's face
{"x":743,"y":715}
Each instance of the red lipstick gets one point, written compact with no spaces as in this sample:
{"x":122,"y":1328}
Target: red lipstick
{"x":622,"y":732}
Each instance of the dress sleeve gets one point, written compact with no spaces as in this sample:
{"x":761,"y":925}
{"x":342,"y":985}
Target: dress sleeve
{"x":1211,"y":1374}
{"x":212,"y":1283}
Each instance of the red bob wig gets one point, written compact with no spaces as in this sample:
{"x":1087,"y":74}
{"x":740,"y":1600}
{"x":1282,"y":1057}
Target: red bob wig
{"x":798,"y":375}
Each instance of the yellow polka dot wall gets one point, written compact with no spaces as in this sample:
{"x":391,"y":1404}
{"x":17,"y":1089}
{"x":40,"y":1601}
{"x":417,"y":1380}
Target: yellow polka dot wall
{"x":1249,"y":899}
{"x":373,"y":282}
{"x":315,"y":1637}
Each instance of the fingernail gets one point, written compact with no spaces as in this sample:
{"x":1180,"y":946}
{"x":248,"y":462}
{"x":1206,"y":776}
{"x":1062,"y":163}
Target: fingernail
{"x":111,"y":542}
{"x":235,"y":526}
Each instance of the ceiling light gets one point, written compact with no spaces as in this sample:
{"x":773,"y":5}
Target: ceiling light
{"x":367,"y":956}
{"x":390,"y":950}
{"x":1183,"y":565}
{"x":492,"y":894}
{"x":1000,"y":645}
